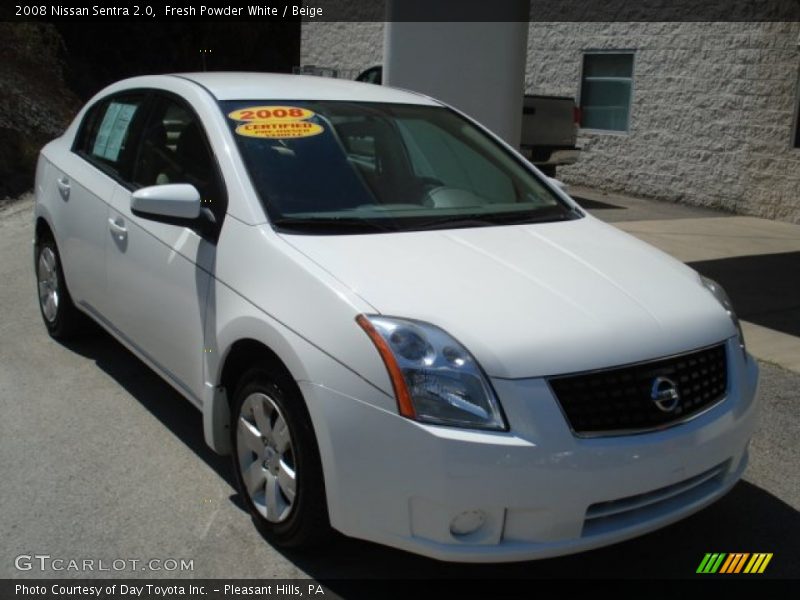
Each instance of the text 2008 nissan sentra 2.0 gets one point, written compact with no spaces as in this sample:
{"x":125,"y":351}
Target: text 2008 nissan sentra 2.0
{"x":397,"y":327}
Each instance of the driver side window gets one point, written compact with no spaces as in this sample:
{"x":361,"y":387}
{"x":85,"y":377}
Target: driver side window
{"x":174,"y":149}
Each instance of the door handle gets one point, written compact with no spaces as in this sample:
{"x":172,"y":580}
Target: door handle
{"x":63,"y":187}
{"x":118,"y":229}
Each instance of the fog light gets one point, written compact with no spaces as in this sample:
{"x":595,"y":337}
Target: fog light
{"x":467,"y":522}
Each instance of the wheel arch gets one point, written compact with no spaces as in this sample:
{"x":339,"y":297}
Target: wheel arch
{"x":43,"y":229}
{"x":239,"y":356}
{"x":245,"y":354}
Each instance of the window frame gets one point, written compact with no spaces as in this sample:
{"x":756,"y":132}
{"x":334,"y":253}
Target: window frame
{"x":595,"y":51}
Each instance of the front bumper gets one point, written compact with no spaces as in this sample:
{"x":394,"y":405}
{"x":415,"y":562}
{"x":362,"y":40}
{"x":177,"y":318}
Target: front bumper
{"x":538,"y":490}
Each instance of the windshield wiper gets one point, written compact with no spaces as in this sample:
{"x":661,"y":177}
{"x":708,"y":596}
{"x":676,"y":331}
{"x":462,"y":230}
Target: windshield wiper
{"x":563,"y":214}
{"x":493,"y":219}
{"x":451,"y":223}
{"x":329,"y":225}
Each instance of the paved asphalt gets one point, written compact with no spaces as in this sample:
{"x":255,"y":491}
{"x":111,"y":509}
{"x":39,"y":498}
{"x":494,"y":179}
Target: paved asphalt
{"x":102,"y":460}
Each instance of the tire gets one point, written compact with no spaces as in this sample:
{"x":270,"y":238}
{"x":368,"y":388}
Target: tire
{"x":276,"y":461}
{"x":58,"y":312}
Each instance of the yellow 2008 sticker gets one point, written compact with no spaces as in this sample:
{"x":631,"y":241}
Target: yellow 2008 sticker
{"x":271,"y":113}
{"x":279,"y":131}
{"x":275,"y":122}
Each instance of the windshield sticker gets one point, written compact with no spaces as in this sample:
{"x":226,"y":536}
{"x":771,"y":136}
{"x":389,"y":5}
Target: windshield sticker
{"x":271,"y":113}
{"x":282,"y":130}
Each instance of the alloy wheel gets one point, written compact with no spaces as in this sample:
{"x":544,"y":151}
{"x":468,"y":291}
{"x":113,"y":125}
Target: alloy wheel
{"x":266,"y":457}
{"x":47,"y":276}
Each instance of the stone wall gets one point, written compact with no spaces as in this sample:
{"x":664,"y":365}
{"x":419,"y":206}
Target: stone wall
{"x":712,"y":112}
{"x":349,"y":47}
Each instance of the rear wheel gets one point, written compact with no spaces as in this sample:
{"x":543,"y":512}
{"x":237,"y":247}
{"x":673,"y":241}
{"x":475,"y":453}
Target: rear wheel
{"x":276,"y":461}
{"x":60,"y":316}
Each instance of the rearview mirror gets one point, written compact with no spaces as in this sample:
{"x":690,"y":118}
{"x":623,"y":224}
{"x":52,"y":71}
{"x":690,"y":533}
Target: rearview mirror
{"x":176,"y":200}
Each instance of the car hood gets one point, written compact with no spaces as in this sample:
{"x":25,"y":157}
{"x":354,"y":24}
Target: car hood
{"x":531,"y":300}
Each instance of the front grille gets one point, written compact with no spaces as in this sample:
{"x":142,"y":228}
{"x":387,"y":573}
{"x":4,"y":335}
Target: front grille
{"x":618,"y":400}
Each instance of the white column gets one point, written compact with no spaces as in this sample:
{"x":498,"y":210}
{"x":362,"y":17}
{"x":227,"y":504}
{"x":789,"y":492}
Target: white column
{"x":478,"y":68}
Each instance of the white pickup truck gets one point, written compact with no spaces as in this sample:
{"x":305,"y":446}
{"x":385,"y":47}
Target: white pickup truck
{"x":549,"y":131}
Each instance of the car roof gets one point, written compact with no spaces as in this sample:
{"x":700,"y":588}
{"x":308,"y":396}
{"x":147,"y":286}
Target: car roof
{"x":275,"y":86}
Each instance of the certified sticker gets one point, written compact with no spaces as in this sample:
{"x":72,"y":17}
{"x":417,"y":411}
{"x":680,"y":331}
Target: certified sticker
{"x":282,"y":130}
{"x":271,"y":113}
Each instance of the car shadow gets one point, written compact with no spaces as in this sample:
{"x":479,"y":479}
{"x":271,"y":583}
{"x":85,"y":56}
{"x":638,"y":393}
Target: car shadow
{"x":764,"y":289}
{"x":168,"y":406}
{"x":748,"y":519}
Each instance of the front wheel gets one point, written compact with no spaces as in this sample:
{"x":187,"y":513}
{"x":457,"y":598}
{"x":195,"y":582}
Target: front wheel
{"x":276,"y":461}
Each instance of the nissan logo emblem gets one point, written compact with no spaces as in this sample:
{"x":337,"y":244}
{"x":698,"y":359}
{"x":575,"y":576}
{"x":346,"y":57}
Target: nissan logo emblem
{"x":664,"y":394}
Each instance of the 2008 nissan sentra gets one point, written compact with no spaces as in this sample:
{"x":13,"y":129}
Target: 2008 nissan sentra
{"x":395,"y":325}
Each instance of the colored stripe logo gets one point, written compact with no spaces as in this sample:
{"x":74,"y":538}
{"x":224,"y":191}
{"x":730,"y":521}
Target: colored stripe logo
{"x":736,"y":562}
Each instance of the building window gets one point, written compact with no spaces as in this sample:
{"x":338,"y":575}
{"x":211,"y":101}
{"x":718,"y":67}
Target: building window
{"x":606,"y":90}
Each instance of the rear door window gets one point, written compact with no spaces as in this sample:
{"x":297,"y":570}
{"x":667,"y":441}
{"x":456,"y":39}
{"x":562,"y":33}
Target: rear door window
{"x":107,"y":135}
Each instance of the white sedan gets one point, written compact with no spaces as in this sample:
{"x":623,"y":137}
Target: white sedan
{"x":395,"y":325}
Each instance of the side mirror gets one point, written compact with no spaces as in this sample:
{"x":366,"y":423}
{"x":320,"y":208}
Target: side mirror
{"x":558,"y":183}
{"x":173,"y":200}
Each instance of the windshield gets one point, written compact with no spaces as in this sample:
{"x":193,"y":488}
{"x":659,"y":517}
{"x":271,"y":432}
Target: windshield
{"x":358,"y":167}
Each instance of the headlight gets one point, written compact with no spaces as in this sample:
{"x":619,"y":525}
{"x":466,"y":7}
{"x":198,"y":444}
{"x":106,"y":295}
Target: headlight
{"x":723,"y":298}
{"x":435,"y":379}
